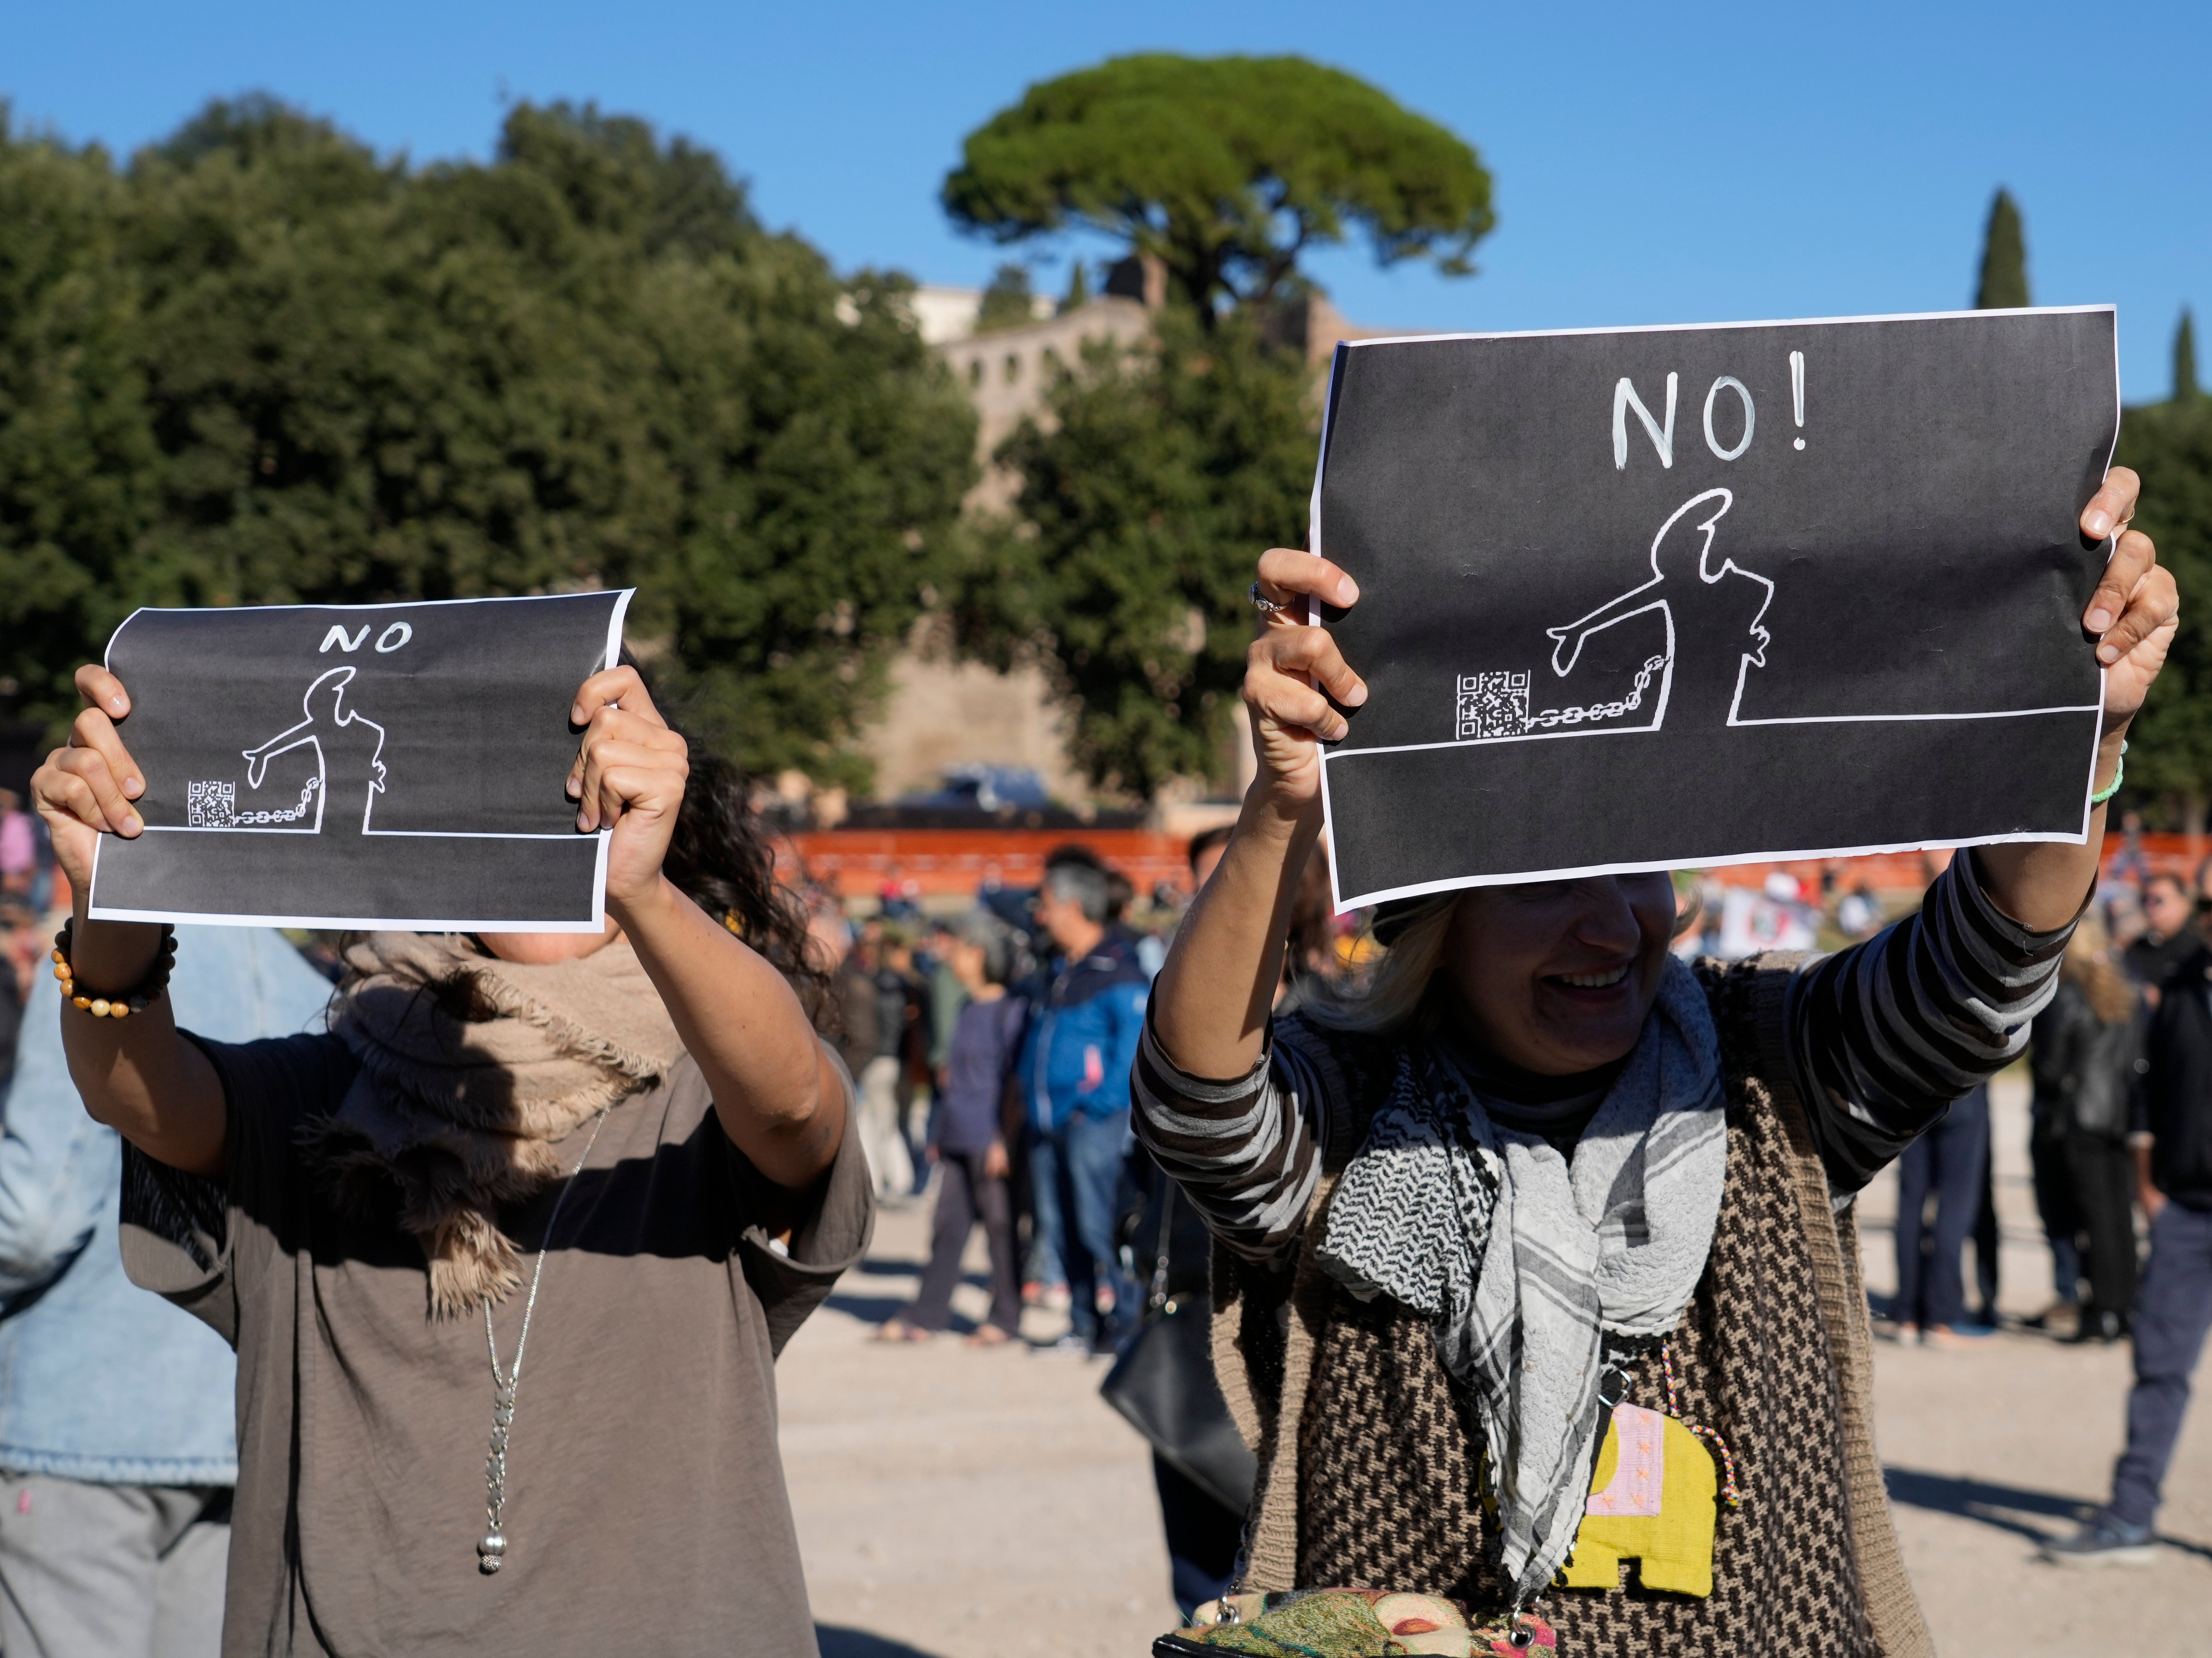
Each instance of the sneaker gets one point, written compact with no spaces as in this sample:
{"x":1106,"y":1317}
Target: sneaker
{"x":1070,"y":1346}
{"x":2104,"y":1541}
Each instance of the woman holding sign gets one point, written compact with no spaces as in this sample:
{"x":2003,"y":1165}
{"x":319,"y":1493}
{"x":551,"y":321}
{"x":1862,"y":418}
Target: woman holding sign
{"x":1532,"y":1261}
{"x":508,"y":1256}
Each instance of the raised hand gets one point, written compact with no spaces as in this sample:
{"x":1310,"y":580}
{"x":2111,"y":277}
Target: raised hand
{"x":628,"y":777}
{"x":2134,"y":612}
{"x":1286,"y":664}
{"x":85,"y":789}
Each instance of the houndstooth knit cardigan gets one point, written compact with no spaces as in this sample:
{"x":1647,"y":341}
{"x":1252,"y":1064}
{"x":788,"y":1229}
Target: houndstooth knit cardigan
{"x":1369,"y":1456}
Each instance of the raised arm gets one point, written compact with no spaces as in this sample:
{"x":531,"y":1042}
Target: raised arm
{"x":1210,"y":1003}
{"x":776,"y":1090}
{"x":137,"y":1075}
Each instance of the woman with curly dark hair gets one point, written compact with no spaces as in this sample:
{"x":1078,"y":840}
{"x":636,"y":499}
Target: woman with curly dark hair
{"x":622,"y":1157}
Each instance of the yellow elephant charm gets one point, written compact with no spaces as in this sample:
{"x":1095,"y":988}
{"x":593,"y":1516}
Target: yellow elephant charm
{"x":1653,"y":1497}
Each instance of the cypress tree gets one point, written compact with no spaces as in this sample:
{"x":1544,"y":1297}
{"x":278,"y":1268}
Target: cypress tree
{"x":2184,"y":359}
{"x":1078,"y":288}
{"x":2004,"y":258}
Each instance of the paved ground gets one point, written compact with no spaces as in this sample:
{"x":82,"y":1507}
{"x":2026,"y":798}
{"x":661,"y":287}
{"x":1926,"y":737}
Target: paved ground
{"x":957,"y":1503}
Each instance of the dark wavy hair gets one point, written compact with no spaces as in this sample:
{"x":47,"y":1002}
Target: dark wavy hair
{"x":718,"y":860}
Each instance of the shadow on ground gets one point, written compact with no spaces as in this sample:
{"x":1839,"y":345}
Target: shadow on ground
{"x":869,"y":1309}
{"x":1993,"y":1505}
{"x":837,"y":1642}
{"x":2000,"y":1505}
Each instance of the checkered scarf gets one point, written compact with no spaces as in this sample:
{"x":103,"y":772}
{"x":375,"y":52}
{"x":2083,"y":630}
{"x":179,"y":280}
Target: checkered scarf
{"x":1527,"y":1265}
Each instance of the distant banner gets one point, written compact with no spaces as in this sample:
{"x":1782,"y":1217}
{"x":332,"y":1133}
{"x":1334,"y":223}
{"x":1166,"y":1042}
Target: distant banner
{"x":1677,"y":597}
{"x":360,"y":766}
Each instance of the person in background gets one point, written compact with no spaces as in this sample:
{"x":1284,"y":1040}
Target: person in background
{"x":17,"y":932}
{"x":968,"y":1142}
{"x":1044,"y":1277}
{"x":2131,"y":865}
{"x":2171,"y":1134}
{"x":947,"y":995}
{"x":1857,"y":914}
{"x":1086,"y":1014}
{"x":869,"y":1045}
{"x":1948,"y":1163}
{"x":2167,"y":938}
{"x":1205,"y":852}
{"x":19,"y":847}
{"x":2085,"y":1054}
{"x":117,"y":1447}
{"x":905,"y":1007}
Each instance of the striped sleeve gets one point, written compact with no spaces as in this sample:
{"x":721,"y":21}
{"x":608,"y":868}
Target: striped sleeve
{"x":1885,"y":1035}
{"x":1247,"y":1152}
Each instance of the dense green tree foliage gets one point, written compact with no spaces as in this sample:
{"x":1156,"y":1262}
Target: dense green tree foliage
{"x":1228,"y":169}
{"x":1160,"y":477}
{"x":2003,"y":281}
{"x":259,"y":364}
{"x":2170,"y":750}
{"x":1008,"y":301}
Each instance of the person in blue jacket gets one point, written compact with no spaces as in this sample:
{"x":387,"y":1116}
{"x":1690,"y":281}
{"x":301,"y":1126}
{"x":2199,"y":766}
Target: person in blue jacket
{"x":116,"y":1410}
{"x":1087,"y":1013}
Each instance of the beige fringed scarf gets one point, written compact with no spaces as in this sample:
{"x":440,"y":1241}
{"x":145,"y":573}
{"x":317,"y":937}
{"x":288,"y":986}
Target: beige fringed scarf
{"x":473,"y":1071}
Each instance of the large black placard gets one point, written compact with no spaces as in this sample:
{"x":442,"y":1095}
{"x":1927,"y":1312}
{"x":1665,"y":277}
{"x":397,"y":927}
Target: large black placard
{"x":360,"y":766}
{"x":1651,"y":597}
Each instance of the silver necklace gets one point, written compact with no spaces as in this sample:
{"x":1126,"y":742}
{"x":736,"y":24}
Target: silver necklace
{"x":491,"y":1548}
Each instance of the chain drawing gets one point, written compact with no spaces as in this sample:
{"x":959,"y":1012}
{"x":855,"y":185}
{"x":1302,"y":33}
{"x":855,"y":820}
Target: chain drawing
{"x":1628,"y":704}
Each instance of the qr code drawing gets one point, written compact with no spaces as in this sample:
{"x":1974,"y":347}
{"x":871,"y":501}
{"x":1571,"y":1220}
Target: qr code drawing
{"x":211,"y":805}
{"x":1494,"y":704}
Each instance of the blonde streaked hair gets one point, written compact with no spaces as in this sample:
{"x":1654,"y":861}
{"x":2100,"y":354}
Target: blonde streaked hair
{"x":2088,"y":964}
{"x":1391,"y":996}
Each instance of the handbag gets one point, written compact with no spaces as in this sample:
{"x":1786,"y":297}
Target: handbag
{"x":1163,"y":1385}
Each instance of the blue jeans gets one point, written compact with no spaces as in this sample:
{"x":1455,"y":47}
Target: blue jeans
{"x":1047,"y":1261}
{"x":2174,"y":1309}
{"x":1947,"y":1160}
{"x":1085,"y":1161}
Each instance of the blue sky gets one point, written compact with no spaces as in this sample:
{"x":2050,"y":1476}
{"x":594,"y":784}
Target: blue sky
{"x":1685,"y":163}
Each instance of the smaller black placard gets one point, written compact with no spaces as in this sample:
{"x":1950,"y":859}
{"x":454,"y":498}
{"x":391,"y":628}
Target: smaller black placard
{"x":360,"y":766}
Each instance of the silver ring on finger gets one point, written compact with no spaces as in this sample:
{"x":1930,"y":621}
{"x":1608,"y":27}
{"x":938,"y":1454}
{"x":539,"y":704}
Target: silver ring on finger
{"x":1265,"y":605}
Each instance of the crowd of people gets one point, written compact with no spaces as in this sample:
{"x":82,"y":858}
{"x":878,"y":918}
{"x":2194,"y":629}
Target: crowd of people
{"x":1505,"y":1195}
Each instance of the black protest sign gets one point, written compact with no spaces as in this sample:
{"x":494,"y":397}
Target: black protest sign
{"x":360,"y":766}
{"x":1645,"y":598}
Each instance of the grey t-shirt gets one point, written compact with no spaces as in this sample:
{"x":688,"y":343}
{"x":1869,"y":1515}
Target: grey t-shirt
{"x":644,"y":1502}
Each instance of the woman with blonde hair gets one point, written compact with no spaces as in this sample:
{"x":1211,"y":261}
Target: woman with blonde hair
{"x":1548,"y":1209}
{"x":2086,"y":1047}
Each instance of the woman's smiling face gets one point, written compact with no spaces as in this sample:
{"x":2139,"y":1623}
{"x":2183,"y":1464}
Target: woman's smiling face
{"x":1560,"y":975}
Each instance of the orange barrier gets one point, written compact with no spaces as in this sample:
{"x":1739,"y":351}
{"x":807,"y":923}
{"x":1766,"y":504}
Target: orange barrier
{"x":946,"y":863}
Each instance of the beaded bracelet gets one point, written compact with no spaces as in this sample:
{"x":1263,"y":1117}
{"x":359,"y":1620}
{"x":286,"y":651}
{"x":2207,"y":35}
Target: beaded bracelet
{"x":135,"y":1000}
{"x":2119,"y":776}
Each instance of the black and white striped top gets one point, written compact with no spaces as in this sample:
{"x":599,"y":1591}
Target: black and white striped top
{"x":1883,"y":1037}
